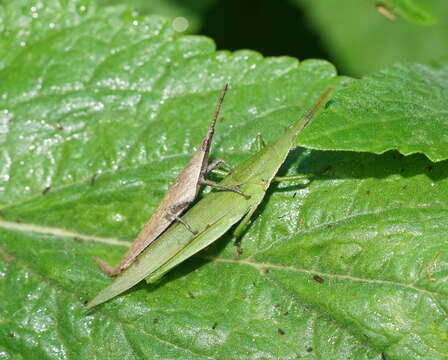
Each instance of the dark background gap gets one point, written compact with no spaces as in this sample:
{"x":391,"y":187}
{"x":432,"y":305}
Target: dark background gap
{"x":255,"y":25}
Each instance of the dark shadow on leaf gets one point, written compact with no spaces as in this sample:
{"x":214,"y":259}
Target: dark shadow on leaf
{"x":357,"y":165}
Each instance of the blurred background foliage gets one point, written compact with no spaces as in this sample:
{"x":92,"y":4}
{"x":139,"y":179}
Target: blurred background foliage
{"x":351,"y":34}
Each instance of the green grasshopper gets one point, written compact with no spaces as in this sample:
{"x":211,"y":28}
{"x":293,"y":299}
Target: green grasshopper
{"x":213,"y":215}
{"x":180,"y":195}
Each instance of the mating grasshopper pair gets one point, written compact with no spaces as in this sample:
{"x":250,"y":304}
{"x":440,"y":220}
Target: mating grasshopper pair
{"x":167,"y":244}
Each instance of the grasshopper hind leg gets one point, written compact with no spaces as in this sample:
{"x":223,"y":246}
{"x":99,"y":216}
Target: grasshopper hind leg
{"x":222,"y":187}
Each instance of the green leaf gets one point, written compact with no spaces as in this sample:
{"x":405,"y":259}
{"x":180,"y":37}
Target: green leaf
{"x":371,"y":249}
{"x":100,"y":111}
{"x":361,"y":40}
{"x":400,"y":108}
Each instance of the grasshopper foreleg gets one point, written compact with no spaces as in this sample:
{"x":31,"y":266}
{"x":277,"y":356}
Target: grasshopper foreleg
{"x":169,"y":211}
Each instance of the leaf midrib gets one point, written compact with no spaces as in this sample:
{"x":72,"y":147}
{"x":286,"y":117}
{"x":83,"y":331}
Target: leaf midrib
{"x":259,"y":266}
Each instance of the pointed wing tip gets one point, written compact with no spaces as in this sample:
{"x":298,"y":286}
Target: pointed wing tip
{"x":97,"y":300}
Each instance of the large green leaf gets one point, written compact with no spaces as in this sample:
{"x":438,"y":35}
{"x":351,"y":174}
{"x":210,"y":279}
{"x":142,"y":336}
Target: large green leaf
{"x":361,"y":40}
{"x":98,"y":114}
{"x":402,"y":107}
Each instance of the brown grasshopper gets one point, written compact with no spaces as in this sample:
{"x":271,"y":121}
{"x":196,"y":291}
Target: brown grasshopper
{"x":181,"y":194}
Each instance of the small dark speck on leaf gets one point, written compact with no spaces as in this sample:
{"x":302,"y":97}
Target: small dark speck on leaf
{"x":402,"y":169}
{"x":214,"y":325}
{"x":326,"y":168}
{"x":309,"y":349}
{"x":78,"y":240}
{"x":155,"y":321}
{"x":46,"y":190}
{"x":10,"y":334}
{"x":282,"y":216}
{"x":404,"y":187}
{"x":266,"y":271}
{"x":85,"y":302}
{"x":368,"y":192}
{"x":93,"y":179}
{"x":318,"y":279}
{"x":286,"y":313}
{"x":190,"y":294}
{"x":429,"y":168}
{"x":295,"y":194}
{"x":281,"y":331}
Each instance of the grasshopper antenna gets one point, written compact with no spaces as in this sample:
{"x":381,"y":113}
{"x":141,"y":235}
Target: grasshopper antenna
{"x":211,"y":128}
{"x":219,"y":104}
